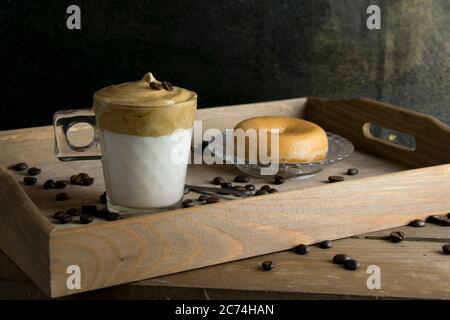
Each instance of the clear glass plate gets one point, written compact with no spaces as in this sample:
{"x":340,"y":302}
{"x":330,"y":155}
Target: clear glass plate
{"x":338,"y":149}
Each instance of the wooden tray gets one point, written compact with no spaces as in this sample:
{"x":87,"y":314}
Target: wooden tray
{"x":387,"y":193}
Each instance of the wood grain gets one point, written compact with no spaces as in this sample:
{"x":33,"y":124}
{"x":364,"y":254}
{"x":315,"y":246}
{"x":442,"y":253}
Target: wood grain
{"x":308,"y":211}
{"x":348,"y":117}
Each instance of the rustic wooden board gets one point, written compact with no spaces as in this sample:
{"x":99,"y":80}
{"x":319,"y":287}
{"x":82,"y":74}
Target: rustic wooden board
{"x":411,"y":269}
{"x":384,"y":195}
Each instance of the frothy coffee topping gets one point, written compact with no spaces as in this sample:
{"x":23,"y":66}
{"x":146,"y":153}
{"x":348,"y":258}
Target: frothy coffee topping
{"x":146,"y":107}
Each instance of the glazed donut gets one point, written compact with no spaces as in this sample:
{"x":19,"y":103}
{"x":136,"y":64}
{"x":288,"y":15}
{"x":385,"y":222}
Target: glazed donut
{"x":299,"y":140}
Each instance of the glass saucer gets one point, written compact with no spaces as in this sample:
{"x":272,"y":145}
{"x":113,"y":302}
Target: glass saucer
{"x":338,"y":149}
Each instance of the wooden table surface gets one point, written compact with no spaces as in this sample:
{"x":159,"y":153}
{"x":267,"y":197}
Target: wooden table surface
{"x":414,"y":268}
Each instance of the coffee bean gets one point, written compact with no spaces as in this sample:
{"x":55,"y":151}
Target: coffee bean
{"x":89,"y":209}
{"x":210,"y":200}
{"x":188,"y":203}
{"x":445,"y":223}
{"x":417,"y":223}
{"x":33,"y":171}
{"x":265,"y":187}
{"x":261,"y":192}
{"x":352,"y":171}
{"x":58,"y":214}
{"x":203,"y":197}
{"x":240,"y":188}
{"x":83,"y":175}
{"x":62,"y":196}
{"x":88,"y":181}
{"x":250,"y":187}
{"x":20,"y":166}
{"x":341,"y":258}
{"x":76,"y":180}
{"x":74,"y":212}
{"x":242,"y":179}
{"x":302,"y":249}
{"x":167,"y":85}
{"x":332,"y":179}
{"x":267,"y":265}
{"x":156,"y":86}
{"x":29,"y":181}
{"x":273,"y":190}
{"x":60,"y":184}
{"x":218,"y":181}
{"x":435,"y":219}
{"x":103,"y":198}
{"x":446,"y":248}
{"x":49,"y":184}
{"x":226,"y":185}
{"x":279,"y":180}
{"x":86,"y":219}
{"x":65,"y":218}
{"x":112,"y":216}
{"x":397,"y":236}
{"x":327,"y":244}
{"x":351,"y":264}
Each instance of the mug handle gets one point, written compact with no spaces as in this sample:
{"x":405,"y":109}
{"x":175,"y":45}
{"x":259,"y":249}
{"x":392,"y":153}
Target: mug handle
{"x":67,"y":150}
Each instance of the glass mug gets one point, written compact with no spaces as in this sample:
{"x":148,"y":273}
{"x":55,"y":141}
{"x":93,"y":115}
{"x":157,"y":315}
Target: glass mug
{"x":142,"y":133}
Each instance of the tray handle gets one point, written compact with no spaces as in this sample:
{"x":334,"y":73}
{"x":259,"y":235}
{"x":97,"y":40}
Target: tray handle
{"x":354,"y":118}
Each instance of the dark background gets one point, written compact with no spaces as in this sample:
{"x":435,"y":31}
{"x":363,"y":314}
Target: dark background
{"x":228,"y":51}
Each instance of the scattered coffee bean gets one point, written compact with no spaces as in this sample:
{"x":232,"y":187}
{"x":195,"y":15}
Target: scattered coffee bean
{"x":435,"y":219}
{"x":89,"y":209}
{"x":397,"y":236}
{"x":29,"y":181}
{"x":417,"y":223}
{"x":242,"y":179}
{"x":240,"y":188}
{"x":352,"y":171}
{"x":267,"y":265}
{"x":250,"y":187}
{"x":65,"y":218}
{"x":445,"y":223}
{"x":261,"y":192}
{"x":210,"y":200}
{"x":302,"y":249}
{"x":58,"y":214}
{"x":226,"y":185}
{"x":203,"y":197}
{"x":446,"y":248}
{"x":62,"y":196}
{"x":341,"y":258}
{"x":86,"y":219}
{"x":88,"y":181}
{"x":60,"y":184}
{"x":74,"y":212}
{"x":265,"y":187}
{"x":279,"y":180}
{"x":103,"y":198}
{"x":49,"y":184}
{"x":83,"y":175}
{"x":351,"y":264}
{"x":156,"y":86}
{"x":333,"y":179}
{"x":33,"y":171}
{"x":20,"y":166}
{"x":167,"y":85}
{"x":327,"y":244}
{"x":218,"y":181}
{"x":188,"y":203}
{"x":112,"y":216}
{"x":76,"y":179}
{"x":273,"y":190}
